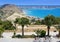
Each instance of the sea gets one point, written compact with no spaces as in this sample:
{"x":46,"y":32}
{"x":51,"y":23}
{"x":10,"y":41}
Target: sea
{"x":41,"y":11}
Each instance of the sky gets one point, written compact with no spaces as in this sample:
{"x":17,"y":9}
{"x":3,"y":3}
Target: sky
{"x":30,"y":2}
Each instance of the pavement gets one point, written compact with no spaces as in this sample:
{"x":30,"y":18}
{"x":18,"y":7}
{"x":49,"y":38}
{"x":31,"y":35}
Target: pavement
{"x":25,"y":40}
{"x":7,"y":37}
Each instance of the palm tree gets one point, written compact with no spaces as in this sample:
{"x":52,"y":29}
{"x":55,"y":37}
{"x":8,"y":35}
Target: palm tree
{"x":23,"y":21}
{"x":58,"y":28}
{"x":49,"y":20}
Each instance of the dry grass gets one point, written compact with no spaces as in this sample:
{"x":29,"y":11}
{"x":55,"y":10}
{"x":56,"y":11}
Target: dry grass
{"x":31,"y":28}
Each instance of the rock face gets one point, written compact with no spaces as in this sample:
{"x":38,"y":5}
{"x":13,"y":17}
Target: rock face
{"x":10,"y":9}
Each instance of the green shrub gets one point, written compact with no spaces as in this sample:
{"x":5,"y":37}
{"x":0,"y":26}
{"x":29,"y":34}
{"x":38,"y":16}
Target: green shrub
{"x":1,"y":31}
{"x":43,"y":33}
{"x":40,"y":33}
{"x":37,"y":22}
{"x":7,"y":25}
{"x":33,"y":35}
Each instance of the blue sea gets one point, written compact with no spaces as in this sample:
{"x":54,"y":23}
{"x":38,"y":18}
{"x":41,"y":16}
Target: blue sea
{"x":42,"y":12}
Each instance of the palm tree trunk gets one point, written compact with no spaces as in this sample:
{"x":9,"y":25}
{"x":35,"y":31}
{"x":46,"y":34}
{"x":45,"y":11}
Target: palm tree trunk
{"x":22,"y":30}
{"x":48,"y":30}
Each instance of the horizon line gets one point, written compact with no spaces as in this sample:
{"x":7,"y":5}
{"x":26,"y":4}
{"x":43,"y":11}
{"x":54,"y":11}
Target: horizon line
{"x":35,"y":4}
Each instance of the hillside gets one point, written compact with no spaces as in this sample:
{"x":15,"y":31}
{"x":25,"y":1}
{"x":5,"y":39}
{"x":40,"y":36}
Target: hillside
{"x":8,"y":10}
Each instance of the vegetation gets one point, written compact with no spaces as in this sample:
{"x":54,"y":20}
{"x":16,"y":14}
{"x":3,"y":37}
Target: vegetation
{"x":37,"y":22}
{"x":17,"y":36}
{"x":40,"y":33}
{"x":14,"y":34}
{"x":58,"y":28}
{"x":1,"y":31}
{"x":43,"y":33}
{"x":22,"y":21}
{"x":29,"y":36}
{"x":42,"y":22}
{"x":25,"y":36}
{"x":37,"y":32}
{"x":7,"y":25}
{"x":32,"y":21}
{"x":15,"y":22}
{"x":57,"y":21}
{"x":49,"y":21}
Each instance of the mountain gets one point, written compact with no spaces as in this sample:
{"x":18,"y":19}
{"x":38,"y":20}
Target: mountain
{"x":7,"y":10}
{"x":11,"y":8}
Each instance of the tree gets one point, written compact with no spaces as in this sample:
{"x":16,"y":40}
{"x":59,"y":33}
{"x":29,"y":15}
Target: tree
{"x":42,"y":22}
{"x":58,"y":28}
{"x":15,"y":22}
{"x":32,"y":20}
{"x":49,"y":21}
{"x":23,"y":21}
{"x":57,"y":20}
{"x":37,"y":22}
{"x":7,"y":25}
{"x":40,"y":33}
{"x":1,"y":28}
{"x":1,"y":31}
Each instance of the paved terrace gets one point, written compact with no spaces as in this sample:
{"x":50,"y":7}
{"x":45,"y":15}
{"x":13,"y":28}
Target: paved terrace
{"x":25,"y":40}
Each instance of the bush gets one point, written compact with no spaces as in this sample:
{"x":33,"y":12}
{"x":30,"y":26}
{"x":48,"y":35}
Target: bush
{"x":1,"y":31}
{"x":17,"y":36}
{"x":7,"y":25}
{"x":43,"y":33}
{"x":40,"y":33}
{"x":37,"y":22}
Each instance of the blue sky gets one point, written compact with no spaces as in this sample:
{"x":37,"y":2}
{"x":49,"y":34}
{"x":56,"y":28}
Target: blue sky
{"x":31,"y":2}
